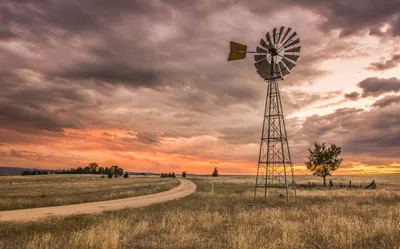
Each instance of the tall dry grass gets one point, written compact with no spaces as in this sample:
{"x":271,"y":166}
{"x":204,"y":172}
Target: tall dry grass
{"x":228,"y":218}
{"x":54,"y":190}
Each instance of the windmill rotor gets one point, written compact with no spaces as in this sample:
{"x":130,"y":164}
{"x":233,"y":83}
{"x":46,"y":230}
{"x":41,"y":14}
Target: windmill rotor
{"x":276,"y":55}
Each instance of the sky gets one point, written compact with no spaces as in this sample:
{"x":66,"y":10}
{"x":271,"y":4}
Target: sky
{"x":145,"y":84}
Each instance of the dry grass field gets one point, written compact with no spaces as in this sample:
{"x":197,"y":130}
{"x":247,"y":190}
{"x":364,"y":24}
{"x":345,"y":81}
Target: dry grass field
{"x":18,"y":192}
{"x":228,"y":218}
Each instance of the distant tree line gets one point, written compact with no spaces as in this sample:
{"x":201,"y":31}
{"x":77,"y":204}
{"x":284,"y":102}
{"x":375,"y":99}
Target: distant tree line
{"x":91,"y":168}
{"x":163,"y":175}
{"x":34,"y":172}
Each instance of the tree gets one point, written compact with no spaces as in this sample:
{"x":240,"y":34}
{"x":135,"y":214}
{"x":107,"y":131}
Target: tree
{"x":126,"y":175}
{"x":215,"y":172}
{"x":184,"y":174}
{"x":101,"y":170}
{"x":323,"y":160}
{"x":112,"y":171}
{"x":93,"y":167}
{"x":169,"y":174}
{"x":173,"y":175}
{"x":110,"y":175}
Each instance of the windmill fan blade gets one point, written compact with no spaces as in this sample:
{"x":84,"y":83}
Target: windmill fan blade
{"x":288,"y":63}
{"x":268,"y":38}
{"x":296,"y":49}
{"x":263,"y":68}
{"x":292,"y":57}
{"x":265,"y":45}
{"x":279,"y":70}
{"x":259,"y":57}
{"x":280,"y":34}
{"x":274,"y":35}
{"x":261,"y":50}
{"x":284,"y":69}
{"x":290,"y":38}
{"x":293,"y":43}
{"x":287,"y":32}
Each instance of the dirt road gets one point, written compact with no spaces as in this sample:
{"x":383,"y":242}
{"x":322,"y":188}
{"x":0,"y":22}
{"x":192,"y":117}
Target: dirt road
{"x":185,"y":188}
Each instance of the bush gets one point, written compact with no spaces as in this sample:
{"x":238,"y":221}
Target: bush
{"x":110,"y":175}
{"x":173,"y":175}
{"x":215,"y":172}
{"x":126,"y":175}
{"x":184,"y":174}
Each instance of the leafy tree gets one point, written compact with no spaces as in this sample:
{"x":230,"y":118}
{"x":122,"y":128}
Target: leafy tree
{"x":184,"y":174}
{"x":86,"y":169}
{"x":173,"y":175}
{"x":215,"y":172}
{"x":322,"y":160}
{"x":112,"y":170}
{"x":169,"y":174}
{"x":79,"y":170}
{"x":93,"y":167}
{"x":106,"y":170}
{"x":101,"y":170}
{"x":126,"y":175}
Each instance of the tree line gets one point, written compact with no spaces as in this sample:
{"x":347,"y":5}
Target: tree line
{"x":92,"y":168}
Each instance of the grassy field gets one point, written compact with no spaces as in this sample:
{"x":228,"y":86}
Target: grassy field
{"x":20,"y":192}
{"x":228,"y":218}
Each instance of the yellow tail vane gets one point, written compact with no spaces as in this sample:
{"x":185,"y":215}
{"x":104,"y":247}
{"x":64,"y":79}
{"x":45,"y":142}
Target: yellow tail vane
{"x":238,"y":51}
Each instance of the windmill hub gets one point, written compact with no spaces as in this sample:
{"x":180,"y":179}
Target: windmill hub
{"x":275,"y":57}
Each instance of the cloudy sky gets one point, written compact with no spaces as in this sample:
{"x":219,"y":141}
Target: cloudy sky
{"x":145,"y":84}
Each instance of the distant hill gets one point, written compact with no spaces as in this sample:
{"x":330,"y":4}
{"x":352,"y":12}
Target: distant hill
{"x":15,"y":171}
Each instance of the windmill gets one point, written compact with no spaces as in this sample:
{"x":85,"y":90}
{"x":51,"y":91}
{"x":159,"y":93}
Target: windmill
{"x":274,"y":58}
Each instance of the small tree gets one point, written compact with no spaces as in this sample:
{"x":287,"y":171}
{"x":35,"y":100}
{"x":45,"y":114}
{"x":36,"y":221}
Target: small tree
{"x":126,"y":175}
{"x":215,"y":172}
{"x":173,"y":175}
{"x":169,"y":174}
{"x":184,"y":174}
{"x":323,"y":160}
{"x":110,"y":175}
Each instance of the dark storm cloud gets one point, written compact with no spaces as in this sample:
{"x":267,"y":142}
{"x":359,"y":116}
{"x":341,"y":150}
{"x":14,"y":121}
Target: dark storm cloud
{"x":352,"y":96}
{"x":387,"y":100}
{"x":381,"y":66}
{"x":357,"y":130}
{"x":353,"y":16}
{"x":376,"y":86}
{"x":16,"y":116}
{"x":148,"y":138}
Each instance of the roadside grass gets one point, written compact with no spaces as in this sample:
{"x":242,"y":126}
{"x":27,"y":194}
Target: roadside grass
{"x":228,"y":218}
{"x":54,"y":190}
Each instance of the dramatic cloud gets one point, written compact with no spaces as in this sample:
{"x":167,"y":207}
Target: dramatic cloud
{"x":378,"y":86}
{"x":387,"y":100}
{"x":352,"y":96}
{"x":380,"y":66}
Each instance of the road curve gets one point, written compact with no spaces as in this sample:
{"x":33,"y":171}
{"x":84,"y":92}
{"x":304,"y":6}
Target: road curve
{"x":185,"y":188}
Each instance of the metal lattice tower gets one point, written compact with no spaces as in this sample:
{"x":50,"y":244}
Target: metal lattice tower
{"x":274,"y":58}
{"x":275,"y":169}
